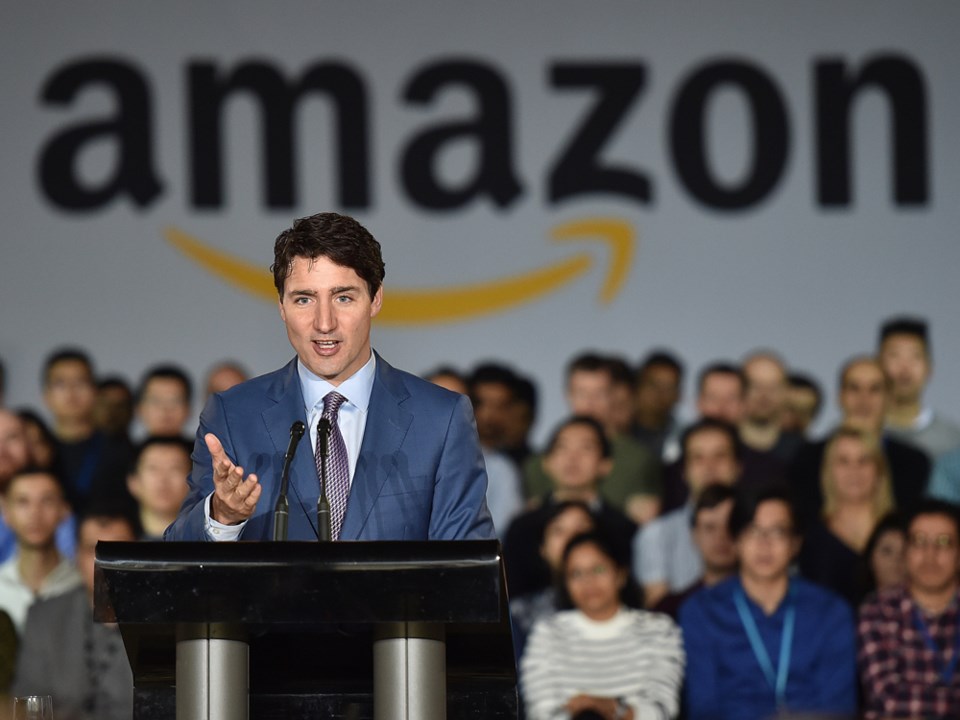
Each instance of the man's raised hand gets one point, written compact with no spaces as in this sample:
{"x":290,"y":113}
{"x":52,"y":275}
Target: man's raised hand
{"x":234,"y":498}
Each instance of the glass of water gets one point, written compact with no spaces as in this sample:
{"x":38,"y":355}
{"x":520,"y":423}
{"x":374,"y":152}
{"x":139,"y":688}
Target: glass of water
{"x":33,"y":707}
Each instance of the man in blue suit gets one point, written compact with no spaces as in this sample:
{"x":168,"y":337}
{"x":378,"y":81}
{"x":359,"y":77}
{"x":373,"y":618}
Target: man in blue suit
{"x":410,"y":448}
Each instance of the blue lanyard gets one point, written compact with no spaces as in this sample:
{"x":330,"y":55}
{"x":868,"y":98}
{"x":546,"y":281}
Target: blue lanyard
{"x":778,"y":680}
{"x":946,"y":671}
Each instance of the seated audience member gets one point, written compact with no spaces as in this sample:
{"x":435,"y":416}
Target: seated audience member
{"x":33,"y":507}
{"x":905,"y":356}
{"x":857,"y":493}
{"x":224,"y":375}
{"x":576,"y":460}
{"x":909,"y":635}
{"x":41,"y":444}
{"x":633,"y":483}
{"x":15,"y":455}
{"x":883,"y":563}
{"x":665,"y":558}
{"x":563,"y":521}
{"x":519,"y":422}
{"x":163,"y":401}
{"x":90,"y":463}
{"x":804,"y":400}
{"x":623,"y":388}
{"x":491,"y":392}
{"x":764,"y":399}
{"x":658,"y":389}
{"x":158,"y":482}
{"x":603,"y":658}
{"x":945,"y":478}
{"x":862,"y":398}
{"x":82,"y":664}
{"x":113,"y":410}
{"x":711,"y":537}
{"x":763,"y":642}
{"x":449,"y":379}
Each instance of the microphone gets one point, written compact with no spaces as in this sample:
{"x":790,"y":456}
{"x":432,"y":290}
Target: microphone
{"x":281,"y":509}
{"x":323,"y":505}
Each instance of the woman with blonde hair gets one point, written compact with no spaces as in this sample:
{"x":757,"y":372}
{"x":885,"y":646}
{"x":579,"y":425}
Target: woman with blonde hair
{"x":857,"y":493}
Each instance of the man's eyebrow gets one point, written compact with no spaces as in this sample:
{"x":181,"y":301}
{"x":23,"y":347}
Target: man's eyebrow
{"x":344,"y":288}
{"x":311,"y":293}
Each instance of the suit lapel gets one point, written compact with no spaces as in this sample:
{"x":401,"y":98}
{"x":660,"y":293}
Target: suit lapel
{"x":387,"y":425}
{"x":278,"y":418}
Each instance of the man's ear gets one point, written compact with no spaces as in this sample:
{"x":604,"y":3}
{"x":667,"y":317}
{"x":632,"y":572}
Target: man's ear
{"x":376,"y":302}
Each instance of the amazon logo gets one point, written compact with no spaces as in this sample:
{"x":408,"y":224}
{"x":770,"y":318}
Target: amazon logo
{"x":423,"y":306}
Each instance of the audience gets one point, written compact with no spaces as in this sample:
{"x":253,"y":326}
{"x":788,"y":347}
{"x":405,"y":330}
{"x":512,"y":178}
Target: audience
{"x":163,"y":401}
{"x":223,"y":376}
{"x":576,"y":461}
{"x":33,"y":506}
{"x":883,"y":562}
{"x":665,"y":558}
{"x":711,"y":537}
{"x":41,"y":444}
{"x":90,"y":463}
{"x":803,"y":404}
{"x":519,"y":422}
{"x":659,"y":385}
{"x":945,"y":478}
{"x":603,"y":658}
{"x":909,"y":635}
{"x":158,"y":482}
{"x":113,"y":409}
{"x":65,"y":654}
{"x":765,"y":396}
{"x":862,"y":398}
{"x":632,"y":483}
{"x":857,"y":494}
{"x":563,"y":521}
{"x":906,"y":359}
{"x":763,"y":642}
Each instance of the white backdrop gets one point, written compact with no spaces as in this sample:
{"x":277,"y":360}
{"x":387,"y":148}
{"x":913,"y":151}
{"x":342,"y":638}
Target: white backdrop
{"x":784,"y":272}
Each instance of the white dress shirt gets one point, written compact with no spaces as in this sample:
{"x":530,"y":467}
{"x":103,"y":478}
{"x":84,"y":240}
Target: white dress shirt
{"x":352,"y":420}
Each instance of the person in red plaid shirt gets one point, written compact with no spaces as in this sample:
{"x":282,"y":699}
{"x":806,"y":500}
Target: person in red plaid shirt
{"x":909,"y":636}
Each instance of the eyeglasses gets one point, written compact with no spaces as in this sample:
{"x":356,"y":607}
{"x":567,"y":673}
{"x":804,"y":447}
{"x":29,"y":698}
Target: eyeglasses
{"x":777,"y":533}
{"x":919,"y":541}
{"x":596,"y":570}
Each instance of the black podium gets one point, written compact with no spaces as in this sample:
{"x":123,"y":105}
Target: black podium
{"x":379,"y":630}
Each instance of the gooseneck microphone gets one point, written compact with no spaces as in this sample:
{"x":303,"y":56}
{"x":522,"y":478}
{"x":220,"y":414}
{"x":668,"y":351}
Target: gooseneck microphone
{"x":323,"y":505}
{"x":281,"y":509}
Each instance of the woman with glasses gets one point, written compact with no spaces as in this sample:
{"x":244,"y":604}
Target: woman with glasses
{"x":764,"y":642}
{"x":602,"y":658}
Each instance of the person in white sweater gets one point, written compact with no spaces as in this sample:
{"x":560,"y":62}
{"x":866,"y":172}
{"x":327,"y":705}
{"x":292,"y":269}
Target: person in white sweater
{"x":603,"y":659}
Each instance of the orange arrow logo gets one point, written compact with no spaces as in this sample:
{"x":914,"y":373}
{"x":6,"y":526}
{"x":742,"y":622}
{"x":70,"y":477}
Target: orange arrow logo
{"x":456,"y":302}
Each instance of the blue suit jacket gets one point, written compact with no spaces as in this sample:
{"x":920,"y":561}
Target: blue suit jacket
{"x":420,"y":474}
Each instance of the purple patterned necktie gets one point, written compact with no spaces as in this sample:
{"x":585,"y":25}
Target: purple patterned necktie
{"x":338,"y":464}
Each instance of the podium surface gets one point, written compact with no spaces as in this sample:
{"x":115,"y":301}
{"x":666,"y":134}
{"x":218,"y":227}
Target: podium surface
{"x":320,"y":625}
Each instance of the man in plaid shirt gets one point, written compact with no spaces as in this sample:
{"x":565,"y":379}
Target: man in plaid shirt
{"x":909,"y":637}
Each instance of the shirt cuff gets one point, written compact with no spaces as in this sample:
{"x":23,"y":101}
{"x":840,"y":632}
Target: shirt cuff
{"x":217,"y":531}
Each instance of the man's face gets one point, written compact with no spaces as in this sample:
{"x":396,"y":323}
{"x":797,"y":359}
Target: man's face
{"x":721,"y":398}
{"x":160,"y":482}
{"x":13,"y":446}
{"x":905,"y":363}
{"x":932,"y":554}
{"x":589,"y":394}
{"x":32,"y":508}
{"x":222,"y":379}
{"x":163,"y":409}
{"x":519,"y":422}
{"x":799,"y":409}
{"x":91,"y":532}
{"x":113,"y":409}
{"x":327,"y":309}
{"x":712,"y":538}
{"x":491,"y":407}
{"x":658,"y":391}
{"x":766,"y":390}
{"x":69,"y":392}
{"x":576,"y":460}
{"x":863,"y":396}
{"x":767,"y":547}
{"x":621,"y":408}
{"x":710,"y":458}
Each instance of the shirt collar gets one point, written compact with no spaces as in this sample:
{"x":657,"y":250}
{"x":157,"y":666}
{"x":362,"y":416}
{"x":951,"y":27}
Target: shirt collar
{"x":923,"y":420}
{"x":356,"y":389}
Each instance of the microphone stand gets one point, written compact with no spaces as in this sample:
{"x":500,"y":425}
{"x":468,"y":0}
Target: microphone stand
{"x":281,"y":509}
{"x":323,"y":504}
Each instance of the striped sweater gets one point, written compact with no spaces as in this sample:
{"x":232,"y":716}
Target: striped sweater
{"x":636,"y":655}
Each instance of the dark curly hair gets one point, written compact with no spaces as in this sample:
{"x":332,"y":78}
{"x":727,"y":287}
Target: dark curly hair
{"x":339,"y":238}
